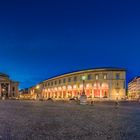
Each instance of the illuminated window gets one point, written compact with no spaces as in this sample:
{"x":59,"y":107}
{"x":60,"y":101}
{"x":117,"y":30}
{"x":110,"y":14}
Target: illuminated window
{"x":96,"y":76}
{"x":105,"y":76}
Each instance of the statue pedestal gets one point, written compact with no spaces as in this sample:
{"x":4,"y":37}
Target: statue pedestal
{"x":83,"y":99}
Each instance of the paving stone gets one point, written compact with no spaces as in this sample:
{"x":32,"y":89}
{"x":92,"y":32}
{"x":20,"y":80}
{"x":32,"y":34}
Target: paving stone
{"x":37,"y":120}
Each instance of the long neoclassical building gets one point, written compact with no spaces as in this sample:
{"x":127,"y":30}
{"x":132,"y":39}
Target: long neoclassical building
{"x":109,"y":83}
{"x":8,"y":88}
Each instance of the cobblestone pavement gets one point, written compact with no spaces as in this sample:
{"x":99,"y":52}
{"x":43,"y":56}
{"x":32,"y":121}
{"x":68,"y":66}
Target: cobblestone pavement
{"x":37,"y":120}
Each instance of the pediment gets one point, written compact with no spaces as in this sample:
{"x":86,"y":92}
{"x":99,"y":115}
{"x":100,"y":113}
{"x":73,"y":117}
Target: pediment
{"x":3,"y":78}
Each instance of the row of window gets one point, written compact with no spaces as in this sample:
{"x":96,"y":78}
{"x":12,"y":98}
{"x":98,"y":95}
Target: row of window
{"x":75,"y":79}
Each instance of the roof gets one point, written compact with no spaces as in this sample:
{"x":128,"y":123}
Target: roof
{"x":137,"y":77}
{"x":4,"y":75}
{"x":134,"y":79}
{"x":87,"y":70}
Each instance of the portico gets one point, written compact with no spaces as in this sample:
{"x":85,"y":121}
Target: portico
{"x":8,"y":88}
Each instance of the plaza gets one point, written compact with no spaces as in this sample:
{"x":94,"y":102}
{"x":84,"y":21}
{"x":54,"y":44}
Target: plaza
{"x":39,"y":120}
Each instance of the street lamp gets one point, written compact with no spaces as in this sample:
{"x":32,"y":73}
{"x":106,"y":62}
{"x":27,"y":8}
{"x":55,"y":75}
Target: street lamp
{"x":37,"y":90}
{"x":117,"y":94}
{"x":83,"y":79}
{"x":83,"y":97}
{"x":37,"y":87}
{"x":3,"y":93}
{"x":117,"y":103}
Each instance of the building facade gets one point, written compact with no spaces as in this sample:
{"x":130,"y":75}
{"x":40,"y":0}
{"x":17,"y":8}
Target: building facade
{"x":134,"y":88}
{"x":109,"y":83}
{"x":8,"y":88}
{"x":26,"y":94}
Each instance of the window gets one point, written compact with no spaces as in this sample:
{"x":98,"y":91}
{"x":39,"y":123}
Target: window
{"x":89,"y":77}
{"x":59,"y":81}
{"x":64,"y":80}
{"x":117,"y":76}
{"x":55,"y":82}
{"x":51,"y":83}
{"x":96,"y":76}
{"x":75,"y":79}
{"x":48,"y":84}
{"x":13,"y":88}
{"x":105,"y":76}
{"x":69,"y":79}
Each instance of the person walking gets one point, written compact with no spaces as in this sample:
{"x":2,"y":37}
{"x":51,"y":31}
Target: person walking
{"x":116,"y":103}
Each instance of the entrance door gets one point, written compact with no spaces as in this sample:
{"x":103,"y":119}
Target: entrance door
{"x":4,"y":89}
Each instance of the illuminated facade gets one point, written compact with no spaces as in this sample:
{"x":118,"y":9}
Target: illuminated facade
{"x":107,"y":83}
{"x":8,"y":88}
{"x":134,"y":88}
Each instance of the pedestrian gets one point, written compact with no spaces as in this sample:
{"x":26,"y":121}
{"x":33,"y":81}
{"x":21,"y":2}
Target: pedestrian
{"x":116,"y":103}
{"x":92,"y":102}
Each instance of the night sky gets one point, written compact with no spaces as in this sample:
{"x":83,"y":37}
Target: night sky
{"x":40,"y":39}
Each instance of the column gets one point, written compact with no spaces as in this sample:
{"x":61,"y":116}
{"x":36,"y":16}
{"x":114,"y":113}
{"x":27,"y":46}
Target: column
{"x":62,"y":93}
{"x":78,"y":89}
{"x":66,"y":92}
{"x":9,"y":94}
{"x":72,"y":93}
{"x":110,"y":89}
{"x":100,"y":90}
{"x":92,"y":92}
{"x":47,"y":94}
{"x":50,"y":94}
{"x":0,"y":89}
{"x":100,"y":93}
{"x":53,"y":94}
{"x":58,"y":94}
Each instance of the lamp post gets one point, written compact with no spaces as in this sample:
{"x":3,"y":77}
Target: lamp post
{"x":83,"y":97}
{"x":117,"y":102}
{"x":37,"y":90}
{"x":117,"y":94}
{"x":3,"y":91}
{"x":83,"y":79}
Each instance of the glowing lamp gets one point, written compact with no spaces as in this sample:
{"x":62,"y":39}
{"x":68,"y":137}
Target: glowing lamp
{"x":83,"y":77}
{"x":37,"y":87}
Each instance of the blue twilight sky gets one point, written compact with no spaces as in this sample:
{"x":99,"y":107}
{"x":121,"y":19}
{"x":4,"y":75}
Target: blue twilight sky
{"x":40,"y":39}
